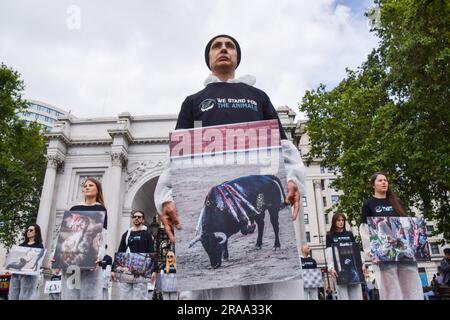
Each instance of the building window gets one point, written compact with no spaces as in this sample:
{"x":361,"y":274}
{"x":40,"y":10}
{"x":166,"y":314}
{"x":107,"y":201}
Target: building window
{"x":331,"y":170}
{"x":322,"y":184}
{"x":324,"y":201}
{"x":334,"y":199}
{"x":434,"y":248}
{"x":308,"y":236}
{"x":304,"y":201}
{"x":430,"y":230}
{"x":322,"y":169}
{"x":306,"y":217}
{"x":326,"y":219}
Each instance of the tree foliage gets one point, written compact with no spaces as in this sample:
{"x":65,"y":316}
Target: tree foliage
{"x":22,"y":161}
{"x":392,"y":114}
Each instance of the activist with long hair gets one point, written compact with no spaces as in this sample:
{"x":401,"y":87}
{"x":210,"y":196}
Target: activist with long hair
{"x":90,"y":280}
{"x":24,"y":286}
{"x":396,"y":280}
{"x":339,"y":234}
{"x":169,"y":268}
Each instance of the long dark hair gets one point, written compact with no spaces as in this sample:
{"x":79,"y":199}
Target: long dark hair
{"x":333,"y":228}
{"x":37,"y":233}
{"x":392,"y":197}
{"x":99,"y":197}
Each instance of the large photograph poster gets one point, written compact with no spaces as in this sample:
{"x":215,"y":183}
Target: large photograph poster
{"x":347,"y":263}
{"x":132,"y":267}
{"x":79,"y":240}
{"x":229,"y":186}
{"x":398,"y":239}
{"x":24,"y":260}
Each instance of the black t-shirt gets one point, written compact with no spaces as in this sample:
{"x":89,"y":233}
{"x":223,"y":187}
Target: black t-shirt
{"x":139,"y":242}
{"x":374,"y":207}
{"x":95,"y":207}
{"x":171,"y":268}
{"x":106,"y":261}
{"x":227,"y":103}
{"x":308,"y":263}
{"x":339,"y":237}
{"x":34,"y":245}
{"x":55,"y":277}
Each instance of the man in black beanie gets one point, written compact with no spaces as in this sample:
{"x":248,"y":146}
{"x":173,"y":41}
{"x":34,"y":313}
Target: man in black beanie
{"x":227,"y":100}
{"x":233,"y":45}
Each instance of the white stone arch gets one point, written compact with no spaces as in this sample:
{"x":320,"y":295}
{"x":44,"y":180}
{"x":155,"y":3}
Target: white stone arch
{"x":146,"y":181}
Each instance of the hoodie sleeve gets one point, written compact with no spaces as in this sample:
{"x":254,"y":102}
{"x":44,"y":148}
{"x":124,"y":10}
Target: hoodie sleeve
{"x":365,"y":239}
{"x":163,"y":190}
{"x":101,"y":249}
{"x":329,"y":256}
{"x":295,"y":170}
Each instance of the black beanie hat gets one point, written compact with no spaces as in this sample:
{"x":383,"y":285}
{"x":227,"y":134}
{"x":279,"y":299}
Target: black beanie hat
{"x":208,"y":47}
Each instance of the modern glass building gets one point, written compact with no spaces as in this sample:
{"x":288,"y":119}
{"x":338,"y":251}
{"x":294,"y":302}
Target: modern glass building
{"x":42,"y":113}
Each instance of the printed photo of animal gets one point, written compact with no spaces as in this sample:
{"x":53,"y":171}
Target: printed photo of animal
{"x":79,"y":239}
{"x":236,"y":228}
{"x":24,"y":260}
{"x":398,"y":239}
{"x":235,"y":206}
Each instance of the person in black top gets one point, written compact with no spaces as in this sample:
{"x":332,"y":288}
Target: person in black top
{"x":168,"y":277}
{"x":396,"y":281}
{"x":136,"y":240}
{"x":338,"y":234}
{"x":445,"y":267}
{"x":226,"y":100}
{"x":89,"y":286}
{"x":309,"y":263}
{"x":24,"y":287}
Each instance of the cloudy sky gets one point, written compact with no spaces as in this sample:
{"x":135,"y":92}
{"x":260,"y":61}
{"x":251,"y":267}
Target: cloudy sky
{"x":100,"y":58}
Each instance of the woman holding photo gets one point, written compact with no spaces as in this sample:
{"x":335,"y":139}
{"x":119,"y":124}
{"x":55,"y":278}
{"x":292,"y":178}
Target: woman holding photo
{"x":24,"y":287}
{"x":396,"y":281}
{"x":169,"y":285}
{"x":89,"y":282}
{"x":338,"y":234}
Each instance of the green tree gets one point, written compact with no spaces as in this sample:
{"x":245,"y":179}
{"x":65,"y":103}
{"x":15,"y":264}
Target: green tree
{"x":22,"y":161}
{"x":392,"y":114}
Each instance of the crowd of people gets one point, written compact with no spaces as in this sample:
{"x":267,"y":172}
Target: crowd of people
{"x":397,"y":281}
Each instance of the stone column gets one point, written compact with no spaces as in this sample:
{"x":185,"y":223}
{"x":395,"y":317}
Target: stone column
{"x":300,"y":225}
{"x":45,"y":205}
{"x":118,"y":161}
{"x":320,"y":213}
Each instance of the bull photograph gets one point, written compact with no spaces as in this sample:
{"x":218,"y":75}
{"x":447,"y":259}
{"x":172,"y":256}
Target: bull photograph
{"x":79,"y":240}
{"x":24,"y":260}
{"x":237,"y":229}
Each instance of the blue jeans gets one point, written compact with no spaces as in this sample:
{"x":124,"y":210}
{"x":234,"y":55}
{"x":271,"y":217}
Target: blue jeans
{"x":23,"y":287}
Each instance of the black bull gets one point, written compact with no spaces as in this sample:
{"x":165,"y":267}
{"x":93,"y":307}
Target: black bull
{"x":233,"y":203}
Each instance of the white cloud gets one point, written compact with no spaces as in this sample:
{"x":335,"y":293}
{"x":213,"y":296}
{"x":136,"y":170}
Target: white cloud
{"x":145,"y":57}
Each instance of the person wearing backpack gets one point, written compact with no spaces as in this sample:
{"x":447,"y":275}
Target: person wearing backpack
{"x":136,"y":240}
